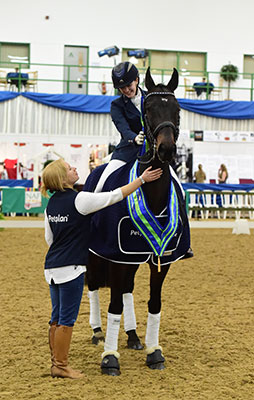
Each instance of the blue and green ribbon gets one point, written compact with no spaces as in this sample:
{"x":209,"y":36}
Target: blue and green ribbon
{"x":157,"y":236}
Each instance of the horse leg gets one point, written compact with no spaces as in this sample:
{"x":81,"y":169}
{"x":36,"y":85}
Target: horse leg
{"x":110,"y":364}
{"x":95,"y":316}
{"x":130,"y":325}
{"x":155,"y":358}
{"x":98,"y":276}
{"x":118,"y":278}
{"x":97,"y":272}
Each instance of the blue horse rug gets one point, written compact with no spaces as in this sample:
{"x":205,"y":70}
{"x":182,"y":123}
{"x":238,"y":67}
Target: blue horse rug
{"x":114,"y":235}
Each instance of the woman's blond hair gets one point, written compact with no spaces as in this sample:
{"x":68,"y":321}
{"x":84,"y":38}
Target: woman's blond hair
{"x":54,"y":177}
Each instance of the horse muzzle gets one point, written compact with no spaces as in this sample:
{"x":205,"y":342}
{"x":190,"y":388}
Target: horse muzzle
{"x":165,"y":153}
{"x":165,"y":149}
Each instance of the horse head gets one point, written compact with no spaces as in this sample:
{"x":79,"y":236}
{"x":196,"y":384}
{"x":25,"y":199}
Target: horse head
{"x":161,"y":115}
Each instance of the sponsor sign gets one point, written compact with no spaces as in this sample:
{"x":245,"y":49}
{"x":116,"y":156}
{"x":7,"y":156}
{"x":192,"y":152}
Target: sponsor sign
{"x":32,"y":199}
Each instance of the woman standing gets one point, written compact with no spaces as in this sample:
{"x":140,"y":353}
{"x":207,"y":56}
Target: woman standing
{"x":67,"y":227}
{"x":199,"y":175}
{"x":222,"y":174}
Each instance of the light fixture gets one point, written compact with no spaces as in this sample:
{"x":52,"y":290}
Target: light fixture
{"x":140,"y":53}
{"x":133,"y":60}
{"x":109,"y":51}
{"x":16,"y":59}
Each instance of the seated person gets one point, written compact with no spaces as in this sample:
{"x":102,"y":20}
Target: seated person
{"x":126,"y":115}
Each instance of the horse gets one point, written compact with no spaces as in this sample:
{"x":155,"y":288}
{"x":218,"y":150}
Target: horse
{"x":163,"y":213}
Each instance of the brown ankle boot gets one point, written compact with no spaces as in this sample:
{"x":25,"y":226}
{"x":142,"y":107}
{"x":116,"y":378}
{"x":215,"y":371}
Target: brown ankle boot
{"x":62,"y":342}
{"x":52,"y":330}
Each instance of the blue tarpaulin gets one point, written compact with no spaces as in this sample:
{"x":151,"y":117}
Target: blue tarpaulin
{"x":101,"y":104}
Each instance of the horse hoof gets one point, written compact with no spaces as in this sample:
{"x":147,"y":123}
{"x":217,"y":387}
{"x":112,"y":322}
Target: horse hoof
{"x":188,"y":254}
{"x":155,"y":360}
{"x":110,"y":365}
{"x":133,"y":341}
{"x":97,"y":338}
{"x":110,"y":371}
{"x":159,"y":366}
{"x":135,"y":345}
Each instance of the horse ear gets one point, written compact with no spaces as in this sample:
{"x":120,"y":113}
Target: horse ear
{"x":173,"y":83}
{"x":149,"y":82}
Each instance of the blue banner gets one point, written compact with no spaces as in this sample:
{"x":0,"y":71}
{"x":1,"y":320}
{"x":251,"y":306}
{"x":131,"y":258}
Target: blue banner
{"x":220,"y":109}
{"x":101,"y":104}
{"x":4,"y":96}
{"x":73,"y":102}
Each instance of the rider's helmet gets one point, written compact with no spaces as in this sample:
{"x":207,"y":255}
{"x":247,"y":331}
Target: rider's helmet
{"x":123,"y":74}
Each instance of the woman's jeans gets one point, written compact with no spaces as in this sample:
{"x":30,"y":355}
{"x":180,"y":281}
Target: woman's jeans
{"x":66,"y":299}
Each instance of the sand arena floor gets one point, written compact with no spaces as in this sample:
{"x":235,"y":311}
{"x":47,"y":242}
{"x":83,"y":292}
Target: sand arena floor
{"x":206,"y":326}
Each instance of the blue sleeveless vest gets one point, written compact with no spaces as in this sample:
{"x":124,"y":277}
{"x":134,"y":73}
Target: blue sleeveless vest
{"x":71,"y":231}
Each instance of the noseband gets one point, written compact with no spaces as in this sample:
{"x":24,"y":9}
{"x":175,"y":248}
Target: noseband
{"x":152,"y":135}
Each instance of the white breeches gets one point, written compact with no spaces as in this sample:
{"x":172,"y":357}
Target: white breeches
{"x":112,"y":166}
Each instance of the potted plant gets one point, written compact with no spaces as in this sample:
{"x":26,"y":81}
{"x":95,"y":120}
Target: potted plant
{"x":230,"y":74}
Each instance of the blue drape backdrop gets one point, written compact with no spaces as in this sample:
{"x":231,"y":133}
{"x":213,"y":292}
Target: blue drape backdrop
{"x":101,"y":104}
{"x":199,"y":186}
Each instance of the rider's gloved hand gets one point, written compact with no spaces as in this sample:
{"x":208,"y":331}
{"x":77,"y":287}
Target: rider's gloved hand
{"x":139,"y":139}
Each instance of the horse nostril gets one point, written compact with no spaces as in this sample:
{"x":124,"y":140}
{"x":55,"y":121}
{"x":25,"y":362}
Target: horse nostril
{"x":166,"y":152}
{"x":162,"y":151}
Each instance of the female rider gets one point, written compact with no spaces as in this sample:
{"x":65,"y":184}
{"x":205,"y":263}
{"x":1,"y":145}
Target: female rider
{"x":126,"y":115}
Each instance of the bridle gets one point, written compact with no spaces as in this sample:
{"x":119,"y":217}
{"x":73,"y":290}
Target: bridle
{"x":152,"y":134}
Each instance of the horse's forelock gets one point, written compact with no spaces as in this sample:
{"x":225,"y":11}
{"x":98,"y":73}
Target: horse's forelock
{"x":159,"y":88}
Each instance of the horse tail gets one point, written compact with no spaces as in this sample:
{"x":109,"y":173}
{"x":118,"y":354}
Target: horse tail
{"x":97,"y":275}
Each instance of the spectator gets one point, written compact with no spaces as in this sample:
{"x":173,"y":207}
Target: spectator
{"x":4,"y":174}
{"x":199,"y":175}
{"x":222,"y":174}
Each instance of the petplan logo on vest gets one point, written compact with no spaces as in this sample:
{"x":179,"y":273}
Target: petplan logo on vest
{"x":58,"y":218}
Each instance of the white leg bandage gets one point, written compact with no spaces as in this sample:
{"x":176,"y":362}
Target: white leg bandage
{"x":95,"y":313}
{"x":152,"y":330}
{"x":113,"y":325}
{"x":112,"y":166}
{"x":128,"y":312}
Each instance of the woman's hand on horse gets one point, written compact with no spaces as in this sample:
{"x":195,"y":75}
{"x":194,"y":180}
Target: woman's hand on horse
{"x":147,"y":176}
{"x":150,"y":175}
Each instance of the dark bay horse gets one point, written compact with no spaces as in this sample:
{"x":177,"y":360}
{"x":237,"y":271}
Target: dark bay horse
{"x":163,"y":199}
